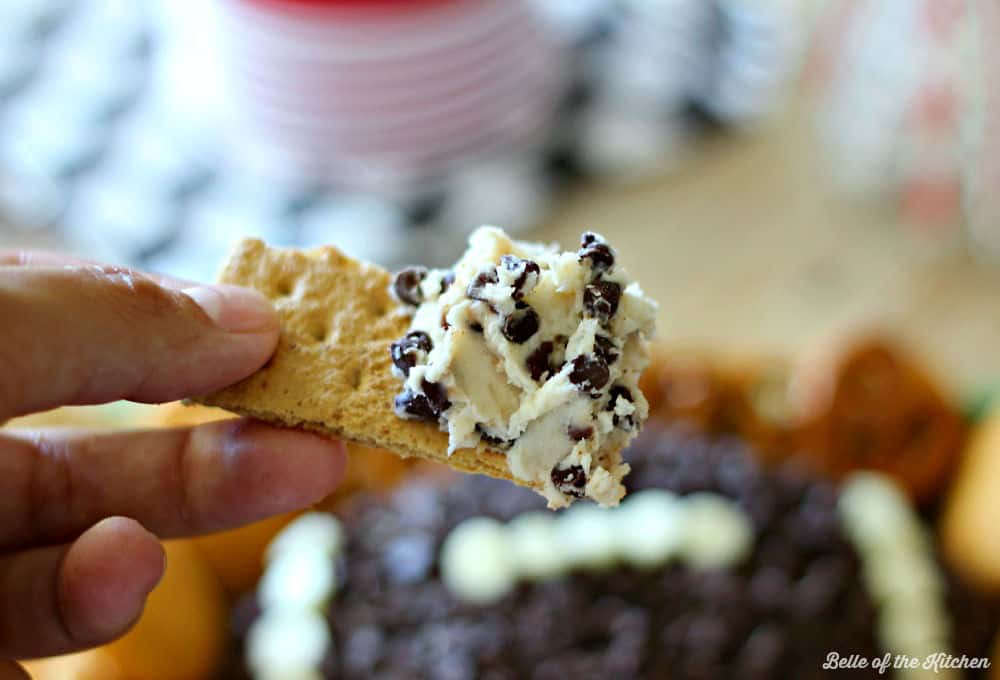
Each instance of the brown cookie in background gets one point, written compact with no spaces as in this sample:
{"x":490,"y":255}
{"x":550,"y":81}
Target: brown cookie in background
{"x":748,"y":397}
{"x":866,"y":404}
{"x":861,"y":404}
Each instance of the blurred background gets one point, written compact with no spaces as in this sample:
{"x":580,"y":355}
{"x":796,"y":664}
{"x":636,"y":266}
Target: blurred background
{"x":780,"y":169}
{"x":784,"y":177}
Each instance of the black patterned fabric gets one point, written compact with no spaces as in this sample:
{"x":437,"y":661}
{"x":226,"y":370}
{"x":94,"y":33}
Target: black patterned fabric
{"x":88,"y":148}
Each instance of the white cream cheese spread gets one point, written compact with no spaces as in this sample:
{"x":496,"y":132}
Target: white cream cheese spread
{"x":531,"y":352}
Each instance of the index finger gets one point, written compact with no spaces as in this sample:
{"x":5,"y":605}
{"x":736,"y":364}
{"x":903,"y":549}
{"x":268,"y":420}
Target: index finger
{"x":175,"y":482}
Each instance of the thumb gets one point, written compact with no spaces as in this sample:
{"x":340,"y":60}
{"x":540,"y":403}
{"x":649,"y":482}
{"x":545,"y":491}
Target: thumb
{"x":83,"y":334}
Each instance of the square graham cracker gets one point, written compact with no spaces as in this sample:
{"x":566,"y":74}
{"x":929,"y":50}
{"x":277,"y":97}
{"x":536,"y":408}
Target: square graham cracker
{"x":331,"y":372}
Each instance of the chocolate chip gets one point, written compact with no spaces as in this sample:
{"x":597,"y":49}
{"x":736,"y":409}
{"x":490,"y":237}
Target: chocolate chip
{"x":436,"y":395}
{"x":394,"y":617}
{"x":476,"y":327}
{"x":408,"y":558}
{"x":520,"y":326}
{"x":405,"y":353}
{"x":570,"y":481}
{"x":513,"y":263}
{"x":589,"y":373}
{"x":406,"y":285}
{"x":496,"y":442}
{"x":447,"y":280}
{"x":600,"y":299}
{"x":604,"y":347}
{"x":421,"y":340}
{"x":594,"y":250}
{"x":770,"y":589}
{"x":426,"y":406}
{"x":538,"y":361}
{"x":762,"y":652}
{"x":410,"y":405}
{"x":615,"y":393}
{"x":578,"y":432}
{"x":483,"y":279}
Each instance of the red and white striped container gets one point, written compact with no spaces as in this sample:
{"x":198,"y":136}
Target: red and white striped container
{"x":388,"y":95}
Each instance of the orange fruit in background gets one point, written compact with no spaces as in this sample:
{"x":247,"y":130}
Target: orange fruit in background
{"x":94,"y":664}
{"x":236,"y":555}
{"x":969,"y":531}
{"x":181,"y":635}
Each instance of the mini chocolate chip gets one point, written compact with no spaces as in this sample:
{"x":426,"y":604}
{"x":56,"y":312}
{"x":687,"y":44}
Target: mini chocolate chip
{"x":594,"y":249}
{"x":483,"y":278}
{"x":600,"y":299}
{"x":615,"y":393}
{"x":604,"y":347}
{"x":531,"y":267}
{"x":406,"y":285}
{"x":405,"y":353}
{"x":420,"y":339}
{"x":538,"y":361}
{"x":520,"y":326}
{"x":570,"y":481}
{"x":576,"y":433}
{"x":410,"y":405}
{"x":426,"y":406}
{"x":447,"y":280}
{"x":589,"y":373}
{"x":496,"y":442}
{"x":436,"y":395}
{"x":512,"y":264}
{"x":476,"y":327}
{"x":520,"y":305}
{"x":401,"y":357}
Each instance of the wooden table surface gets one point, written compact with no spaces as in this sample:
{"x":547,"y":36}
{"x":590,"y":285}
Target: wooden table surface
{"x":748,"y":249}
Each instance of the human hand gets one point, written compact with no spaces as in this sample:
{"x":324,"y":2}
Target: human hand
{"x":80,"y":514}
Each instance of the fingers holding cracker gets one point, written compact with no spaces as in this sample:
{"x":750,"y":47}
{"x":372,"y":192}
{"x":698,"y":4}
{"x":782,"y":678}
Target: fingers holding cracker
{"x":331,"y":372}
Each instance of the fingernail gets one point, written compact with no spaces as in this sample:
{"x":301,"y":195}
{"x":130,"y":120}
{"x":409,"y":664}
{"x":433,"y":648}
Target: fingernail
{"x":234,"y":309}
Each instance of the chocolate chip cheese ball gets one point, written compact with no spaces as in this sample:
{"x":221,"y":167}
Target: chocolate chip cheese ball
{"x":713,"y":567}
{"x":533,"y":353}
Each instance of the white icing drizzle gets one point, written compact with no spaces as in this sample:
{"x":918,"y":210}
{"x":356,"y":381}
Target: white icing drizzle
{"x":290,"y":637}
{"x":899,"y":570}
{"x":482,"y":559}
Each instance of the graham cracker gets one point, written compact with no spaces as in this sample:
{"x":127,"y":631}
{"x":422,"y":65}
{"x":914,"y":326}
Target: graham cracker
{"x":331,"y":372}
